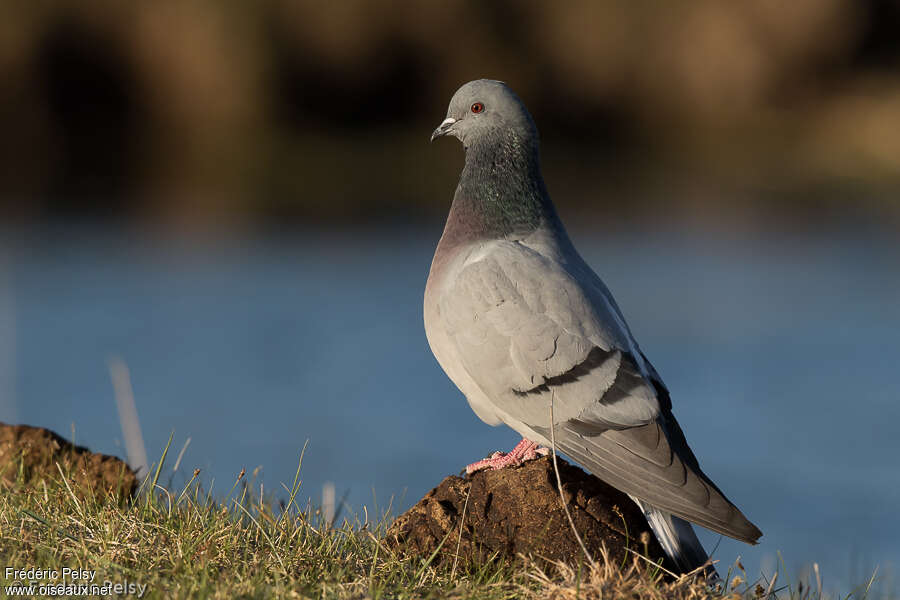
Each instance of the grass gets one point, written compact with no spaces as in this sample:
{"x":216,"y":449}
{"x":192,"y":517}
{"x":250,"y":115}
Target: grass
{"x":183,"y":543}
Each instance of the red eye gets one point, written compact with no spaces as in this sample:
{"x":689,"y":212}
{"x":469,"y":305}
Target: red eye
{"x":477,"y":107}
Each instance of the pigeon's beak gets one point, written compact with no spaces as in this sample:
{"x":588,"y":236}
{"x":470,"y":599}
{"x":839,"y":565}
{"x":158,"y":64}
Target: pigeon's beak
{"x":443,"y":128}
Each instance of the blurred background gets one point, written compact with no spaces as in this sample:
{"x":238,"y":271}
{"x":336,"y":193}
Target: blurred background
{"x":239,"y":201}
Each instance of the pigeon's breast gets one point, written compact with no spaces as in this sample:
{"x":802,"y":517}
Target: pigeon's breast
{"x":444,"y":268}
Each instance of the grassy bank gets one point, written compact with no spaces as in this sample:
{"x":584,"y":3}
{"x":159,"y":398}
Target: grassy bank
{"x":183,"y":543}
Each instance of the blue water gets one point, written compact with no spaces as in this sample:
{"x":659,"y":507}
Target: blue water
{"x":781,"y":353}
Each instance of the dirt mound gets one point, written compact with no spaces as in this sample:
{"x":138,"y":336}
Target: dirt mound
{"x":29,"y":455}
{"x":518,"y":510}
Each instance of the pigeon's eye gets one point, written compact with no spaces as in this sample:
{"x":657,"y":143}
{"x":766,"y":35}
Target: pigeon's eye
{"x":477,"y":107}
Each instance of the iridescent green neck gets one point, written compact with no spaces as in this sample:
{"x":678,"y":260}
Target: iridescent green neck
{"x":501,"y":192}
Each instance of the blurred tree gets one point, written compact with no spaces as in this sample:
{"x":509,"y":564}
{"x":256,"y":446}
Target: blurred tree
{"x":93,"y":109}
{"x":294,"y":109}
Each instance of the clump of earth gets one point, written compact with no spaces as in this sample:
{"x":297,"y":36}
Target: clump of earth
{"x":29,"y":455}
{"x":518,"y":511}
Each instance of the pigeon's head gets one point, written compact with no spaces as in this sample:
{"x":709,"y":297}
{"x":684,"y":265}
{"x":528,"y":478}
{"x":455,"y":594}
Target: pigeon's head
{"x":485,"y":108}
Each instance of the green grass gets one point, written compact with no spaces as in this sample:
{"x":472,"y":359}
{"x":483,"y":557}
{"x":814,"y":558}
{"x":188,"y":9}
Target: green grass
{"x":184,"y":543}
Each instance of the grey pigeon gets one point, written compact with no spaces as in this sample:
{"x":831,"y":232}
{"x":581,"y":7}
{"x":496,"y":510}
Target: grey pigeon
{"x":516,"y":318}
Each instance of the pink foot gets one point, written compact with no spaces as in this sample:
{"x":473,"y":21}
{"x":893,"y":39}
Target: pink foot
{"x":524,"y":450}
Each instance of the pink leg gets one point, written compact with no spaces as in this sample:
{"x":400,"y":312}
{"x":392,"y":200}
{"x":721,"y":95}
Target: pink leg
{"x":524,"y":450}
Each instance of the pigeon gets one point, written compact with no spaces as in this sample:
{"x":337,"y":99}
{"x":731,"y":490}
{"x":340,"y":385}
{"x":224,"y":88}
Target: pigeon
{"x":525,"y":329}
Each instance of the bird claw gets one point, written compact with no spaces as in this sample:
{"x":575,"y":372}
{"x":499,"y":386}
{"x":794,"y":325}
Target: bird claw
{"x":524,"y":451}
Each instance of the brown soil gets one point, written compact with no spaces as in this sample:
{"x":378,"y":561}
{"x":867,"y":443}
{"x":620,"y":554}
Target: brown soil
{"x":30,"y":454}
{"x":518,"y":511}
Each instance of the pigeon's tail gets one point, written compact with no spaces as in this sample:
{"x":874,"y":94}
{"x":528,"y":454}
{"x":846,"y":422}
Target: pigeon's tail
{"x":641,"y":461}
{"x":678,"y":540}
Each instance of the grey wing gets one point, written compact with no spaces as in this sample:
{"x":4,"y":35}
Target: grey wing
{"x":654,"y":463}
{"x":527,"y":329}
{"x":522,"y":324}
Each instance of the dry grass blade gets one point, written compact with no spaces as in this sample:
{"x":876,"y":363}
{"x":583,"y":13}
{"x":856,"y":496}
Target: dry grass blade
{"x":421,"y":572}
{"x":659,"y":566}
{"x":462,"y":522}
{"x":264,"y":534}
{"x":128,"y":417}
{"x":181,"y":455}
{"x":771,"y":587}
{"x":69,"y":489}
{"x":562,"y":497}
